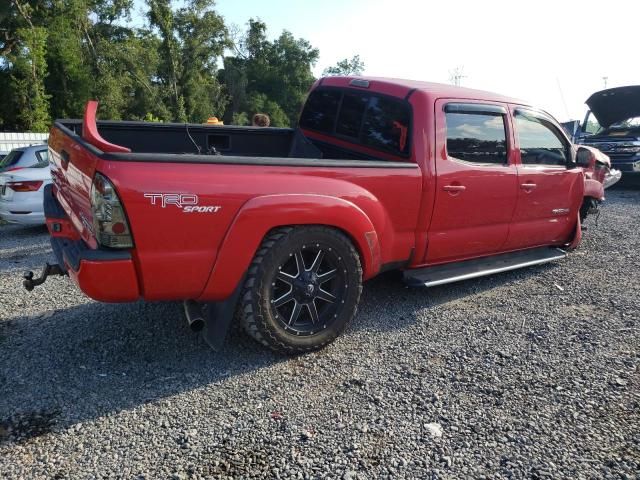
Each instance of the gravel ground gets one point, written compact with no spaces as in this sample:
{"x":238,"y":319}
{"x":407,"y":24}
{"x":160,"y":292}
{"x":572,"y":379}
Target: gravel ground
{"x":529,"y":374}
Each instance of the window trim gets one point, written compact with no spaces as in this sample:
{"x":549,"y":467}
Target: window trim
{"x":478,"y":109}
{"x":42,"y":162}
{"x":358,"y":141}
{"x":474,"y":108}
{"x":540,"y":115}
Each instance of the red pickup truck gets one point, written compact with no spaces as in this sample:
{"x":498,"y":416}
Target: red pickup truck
{"x":282,"y":226}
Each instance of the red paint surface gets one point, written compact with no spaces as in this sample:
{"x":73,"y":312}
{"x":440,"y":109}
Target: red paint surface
{"x":391,"y":215}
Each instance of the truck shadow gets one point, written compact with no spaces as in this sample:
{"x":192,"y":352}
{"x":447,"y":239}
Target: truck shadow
{"x":72,"y":365}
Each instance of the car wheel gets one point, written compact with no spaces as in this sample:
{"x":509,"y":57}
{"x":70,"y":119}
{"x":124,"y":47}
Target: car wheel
{"x":302,"y":289}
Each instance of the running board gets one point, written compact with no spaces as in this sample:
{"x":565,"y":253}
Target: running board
{"x":455,"y":272}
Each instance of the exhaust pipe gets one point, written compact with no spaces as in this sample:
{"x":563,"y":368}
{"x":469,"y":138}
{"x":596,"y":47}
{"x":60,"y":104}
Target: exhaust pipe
{"x":195,"y":317}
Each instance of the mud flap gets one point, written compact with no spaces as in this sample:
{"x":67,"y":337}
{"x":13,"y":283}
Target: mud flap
{"x":218,"y":317}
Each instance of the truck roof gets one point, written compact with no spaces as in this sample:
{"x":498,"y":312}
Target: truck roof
{"x":401,"y":87}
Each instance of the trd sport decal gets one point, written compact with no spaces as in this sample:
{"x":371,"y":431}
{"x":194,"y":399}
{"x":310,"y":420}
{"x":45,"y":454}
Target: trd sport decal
{"x":187,"y":202}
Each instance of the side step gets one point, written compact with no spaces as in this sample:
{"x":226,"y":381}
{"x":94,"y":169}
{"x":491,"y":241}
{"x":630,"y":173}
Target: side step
{"x":455,"y":272}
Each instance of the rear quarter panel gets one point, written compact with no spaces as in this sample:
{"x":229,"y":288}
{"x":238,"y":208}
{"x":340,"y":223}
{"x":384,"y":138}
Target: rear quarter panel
{"x":175,"y":251}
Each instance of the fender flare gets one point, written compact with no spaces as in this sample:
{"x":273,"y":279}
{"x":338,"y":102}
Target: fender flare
{"x":261,"y":214}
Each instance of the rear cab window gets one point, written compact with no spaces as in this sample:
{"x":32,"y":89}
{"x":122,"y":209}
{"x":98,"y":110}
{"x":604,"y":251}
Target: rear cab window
{"x":369,"y":119}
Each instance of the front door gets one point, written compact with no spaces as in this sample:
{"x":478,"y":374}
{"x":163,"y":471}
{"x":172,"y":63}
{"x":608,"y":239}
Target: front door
{"x":549,"y":193}
{"x":476,"y":181}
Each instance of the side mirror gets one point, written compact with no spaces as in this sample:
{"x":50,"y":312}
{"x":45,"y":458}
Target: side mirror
{"x":585,"y":157}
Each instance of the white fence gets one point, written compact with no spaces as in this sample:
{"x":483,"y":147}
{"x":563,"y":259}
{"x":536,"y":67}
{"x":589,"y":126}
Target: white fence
{"x":11,"y":140}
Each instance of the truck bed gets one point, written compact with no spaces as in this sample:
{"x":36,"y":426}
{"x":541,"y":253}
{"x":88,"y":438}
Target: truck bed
{"x":260,"y":180}
{"x":182,"y":142}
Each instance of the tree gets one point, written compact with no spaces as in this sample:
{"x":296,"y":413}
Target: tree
{"x":345,"y":67}
{"x":266,"y":76}
{"x":192,"y":38}
{"x":57,"y":54}
{"x":24,"y":48}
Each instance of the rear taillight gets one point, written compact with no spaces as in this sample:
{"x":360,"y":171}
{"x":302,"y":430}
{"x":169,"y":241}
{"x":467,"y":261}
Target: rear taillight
{"x":31,"y":186}
{"x":109,"y":221}
{"x":13,"y":169}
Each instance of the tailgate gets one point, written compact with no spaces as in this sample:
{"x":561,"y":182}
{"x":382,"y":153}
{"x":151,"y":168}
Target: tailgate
{"x":72,"y":169}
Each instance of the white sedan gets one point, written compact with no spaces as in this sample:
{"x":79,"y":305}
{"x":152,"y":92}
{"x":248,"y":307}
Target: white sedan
{"x":24,"y":173}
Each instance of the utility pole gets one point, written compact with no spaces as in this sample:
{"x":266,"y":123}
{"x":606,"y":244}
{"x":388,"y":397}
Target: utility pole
{"x":604,"y":79}
{"x":456,"y":75}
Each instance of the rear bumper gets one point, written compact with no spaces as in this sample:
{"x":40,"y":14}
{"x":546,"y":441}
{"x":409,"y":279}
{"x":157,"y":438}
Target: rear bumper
{"x":104,"y":275}
{"x":22,"y":218}
{"x":23,"y":208}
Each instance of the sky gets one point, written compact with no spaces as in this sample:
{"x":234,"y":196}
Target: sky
{"x":553,"y":54}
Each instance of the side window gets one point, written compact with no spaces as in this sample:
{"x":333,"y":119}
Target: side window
{"x":477,"y":137}
{"x":351,"y":113}
{"x":540,"y":144}
{"x":386,"y":125}
{"x":320,"y":110}
{"x":43,"y":158}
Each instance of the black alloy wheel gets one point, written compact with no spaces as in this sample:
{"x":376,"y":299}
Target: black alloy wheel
{"x":302,"y":288}
{"x":308,"y":288}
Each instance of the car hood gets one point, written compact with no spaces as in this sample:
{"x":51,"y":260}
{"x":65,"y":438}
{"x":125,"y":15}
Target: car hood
{"x":615,"y":104}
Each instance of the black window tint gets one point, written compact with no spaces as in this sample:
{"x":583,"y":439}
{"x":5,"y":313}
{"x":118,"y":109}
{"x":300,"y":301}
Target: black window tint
{"x":11,"y":159}
{"x":477,"y":137}
{"x":320,"y":110}
{"x":351,"y":114}
{"x":386,"y":125}
{"x":539,"y":142}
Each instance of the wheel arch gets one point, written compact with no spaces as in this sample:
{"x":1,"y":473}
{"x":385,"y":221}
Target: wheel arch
{"x":262,"y":215}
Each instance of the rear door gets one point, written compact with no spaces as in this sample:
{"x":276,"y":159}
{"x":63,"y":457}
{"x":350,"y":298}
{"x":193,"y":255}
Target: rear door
{"x":476,"y":181}
{"x":550,"y":188}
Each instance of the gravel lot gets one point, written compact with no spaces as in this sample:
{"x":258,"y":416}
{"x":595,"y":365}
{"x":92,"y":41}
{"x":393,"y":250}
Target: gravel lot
{"x":533,"y":374}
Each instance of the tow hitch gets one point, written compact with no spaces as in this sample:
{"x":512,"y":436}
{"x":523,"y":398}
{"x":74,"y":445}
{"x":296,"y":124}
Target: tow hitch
{"x":30,"y":283}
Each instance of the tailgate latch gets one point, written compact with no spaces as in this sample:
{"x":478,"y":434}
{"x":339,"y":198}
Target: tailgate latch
{"x":30,"y":283}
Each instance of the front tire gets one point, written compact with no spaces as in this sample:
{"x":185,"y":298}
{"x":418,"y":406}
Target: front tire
{"x":302,"y":289}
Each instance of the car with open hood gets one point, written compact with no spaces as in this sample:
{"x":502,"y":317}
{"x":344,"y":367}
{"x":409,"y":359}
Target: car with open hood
{"x":612,"y":125}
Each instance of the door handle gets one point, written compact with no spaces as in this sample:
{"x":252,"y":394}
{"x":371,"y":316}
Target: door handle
{"x":528,"y":186}
{"x":454,"y":188}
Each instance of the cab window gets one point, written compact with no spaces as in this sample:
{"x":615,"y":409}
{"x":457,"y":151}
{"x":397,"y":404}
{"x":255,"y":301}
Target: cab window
{"x":369,"y":119}
{"x":320,"y":110}
{"x":477,"y":137}
{"x":540,"y":143}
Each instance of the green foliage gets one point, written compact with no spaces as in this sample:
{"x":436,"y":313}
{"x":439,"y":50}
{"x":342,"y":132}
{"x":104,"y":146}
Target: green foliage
{"x":192,"y":38}
{"x":260,"y":103}
{"x":240,"y":119}
{"x":269,"y":77}
{"x":150,"y":117}
{"x":57,"y":54}
{"x":353,"y":66}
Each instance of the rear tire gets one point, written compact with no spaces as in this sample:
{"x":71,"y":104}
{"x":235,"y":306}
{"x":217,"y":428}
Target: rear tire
{"x":302,"y":289}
